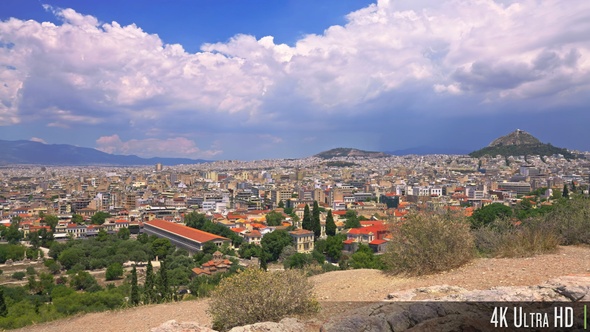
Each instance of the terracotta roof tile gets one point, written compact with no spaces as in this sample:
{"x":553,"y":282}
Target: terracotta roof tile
{"x":184,"y":231}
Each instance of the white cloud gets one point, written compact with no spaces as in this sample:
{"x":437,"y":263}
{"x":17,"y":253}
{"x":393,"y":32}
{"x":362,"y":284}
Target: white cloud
{"x":37,"y":139}
{"x":87,"y":72}
{"x":172,"y":147}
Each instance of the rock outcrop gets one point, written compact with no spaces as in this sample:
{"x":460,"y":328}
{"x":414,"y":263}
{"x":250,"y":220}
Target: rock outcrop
{"x":449,"y":308}
{"x":436,"y":308}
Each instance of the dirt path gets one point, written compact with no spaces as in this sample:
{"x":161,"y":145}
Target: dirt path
{"x":339,"y":291}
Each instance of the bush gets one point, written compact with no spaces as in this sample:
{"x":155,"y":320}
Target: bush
{"x":503,"y":238}
{"x":31,"y":271}
{"x":572,"y":218}
{"x":114,"y":271}
{"x":429,"y":243}
{"x":20,"y":275}
{"x":255,"y":296}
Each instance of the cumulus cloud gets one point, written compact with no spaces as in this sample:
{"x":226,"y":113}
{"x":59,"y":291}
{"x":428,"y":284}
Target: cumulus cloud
{"x":84,"y":72}
{"x":172,"y":147}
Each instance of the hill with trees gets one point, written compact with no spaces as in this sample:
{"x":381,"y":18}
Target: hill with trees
{"x":520,"y":143}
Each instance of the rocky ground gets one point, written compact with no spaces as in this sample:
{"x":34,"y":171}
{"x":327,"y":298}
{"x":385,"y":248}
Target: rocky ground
{"x":341,"y":291}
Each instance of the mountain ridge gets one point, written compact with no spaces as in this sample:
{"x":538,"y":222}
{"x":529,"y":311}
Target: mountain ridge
{"x":30,"y":152}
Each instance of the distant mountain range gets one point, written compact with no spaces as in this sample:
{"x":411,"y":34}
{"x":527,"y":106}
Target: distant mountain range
{"x":350,"y":152}
{"x":29,"y":152}
{"x":520,"y":143}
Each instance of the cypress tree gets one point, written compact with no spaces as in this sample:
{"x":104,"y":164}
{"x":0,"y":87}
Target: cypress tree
{"x":330,"y":224}
{"x":315,"y":220}
{"x":148,"y":289}
{"x":163,"y":283}
{"x":134,"y":288}
{"x":3,"y":309}
{"x":565,"y":192}
{"x":306,"y":223}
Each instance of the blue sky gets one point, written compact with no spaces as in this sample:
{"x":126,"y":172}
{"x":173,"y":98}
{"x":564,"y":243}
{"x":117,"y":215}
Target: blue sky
{"x":285,"y":79}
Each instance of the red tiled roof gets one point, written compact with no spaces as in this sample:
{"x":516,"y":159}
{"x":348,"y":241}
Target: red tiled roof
{"x":377,"y":242}
{"x":199,"y":271}
{"x":368,"y":230}
{"x":253,"y":233}
{"x":184,"y":231}
{"x":301,"y":232}
{"x":349,"y":241}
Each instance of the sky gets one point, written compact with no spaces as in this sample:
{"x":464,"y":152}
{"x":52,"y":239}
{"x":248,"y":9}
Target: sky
{"x":220,"y":79}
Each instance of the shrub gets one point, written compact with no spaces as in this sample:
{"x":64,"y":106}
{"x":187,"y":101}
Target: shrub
{"x":20,"y":275}
{"x":429,"y":243}
{"x":31,"y":271}
{"x":254,"y":296}
{"x":572,"y":218}
{"x":503,"y":238}
{"x":114,"y":271}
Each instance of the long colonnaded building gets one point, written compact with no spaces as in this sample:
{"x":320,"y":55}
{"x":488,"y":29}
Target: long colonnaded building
{"x":181,"y":236}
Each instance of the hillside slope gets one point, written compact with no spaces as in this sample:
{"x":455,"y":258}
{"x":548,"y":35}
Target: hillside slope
{"x":344,"y":290}
{"x":520,"y":143}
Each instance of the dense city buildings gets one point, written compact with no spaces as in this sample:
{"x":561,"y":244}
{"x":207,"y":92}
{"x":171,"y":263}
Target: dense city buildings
{"x":239,"y":195}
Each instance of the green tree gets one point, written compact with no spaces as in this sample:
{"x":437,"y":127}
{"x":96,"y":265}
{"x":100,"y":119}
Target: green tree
{"x":315,"y":220}
{"x":149,"y":293}
{"x":52,"y":266}
{"x":306,"y":223}
{"x":3,"y":308}
{"x":70,"y":257}
{"x":77,"y":219}
{"x":274,"y":218}
{"x":334,"y":246}
{"x":124,"y":233}
{"x":352,"y":219}
{"x":102,"y":235}
{"x":83,"y":280}
{"x":161,"y":247}
{"x":50,"y":221}
{"x":163,"y":285}
{"x":298,"y":261}
{"x":99,"y":218}
{"x":134,"y":287}
{"x":274,"y":242}
{"x":114,"y":271}
{"x":565,"y":191}
{"x":364,"y":258}
{"x":209,"y":247}
{"x":143,"y":238}
{"x":248,"y":250}
{"x":487,"y":214}
{"x":281,"y":205}
{"x":195,"y":220}
{"x":13,"y":235}
{"x":330,"y":224}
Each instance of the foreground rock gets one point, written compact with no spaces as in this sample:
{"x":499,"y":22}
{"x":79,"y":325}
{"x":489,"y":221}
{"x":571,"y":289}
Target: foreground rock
{"x":450,"y":308}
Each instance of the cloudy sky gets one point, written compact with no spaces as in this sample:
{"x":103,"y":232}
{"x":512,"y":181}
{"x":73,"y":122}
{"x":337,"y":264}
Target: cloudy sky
{"x":284,"y":79}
